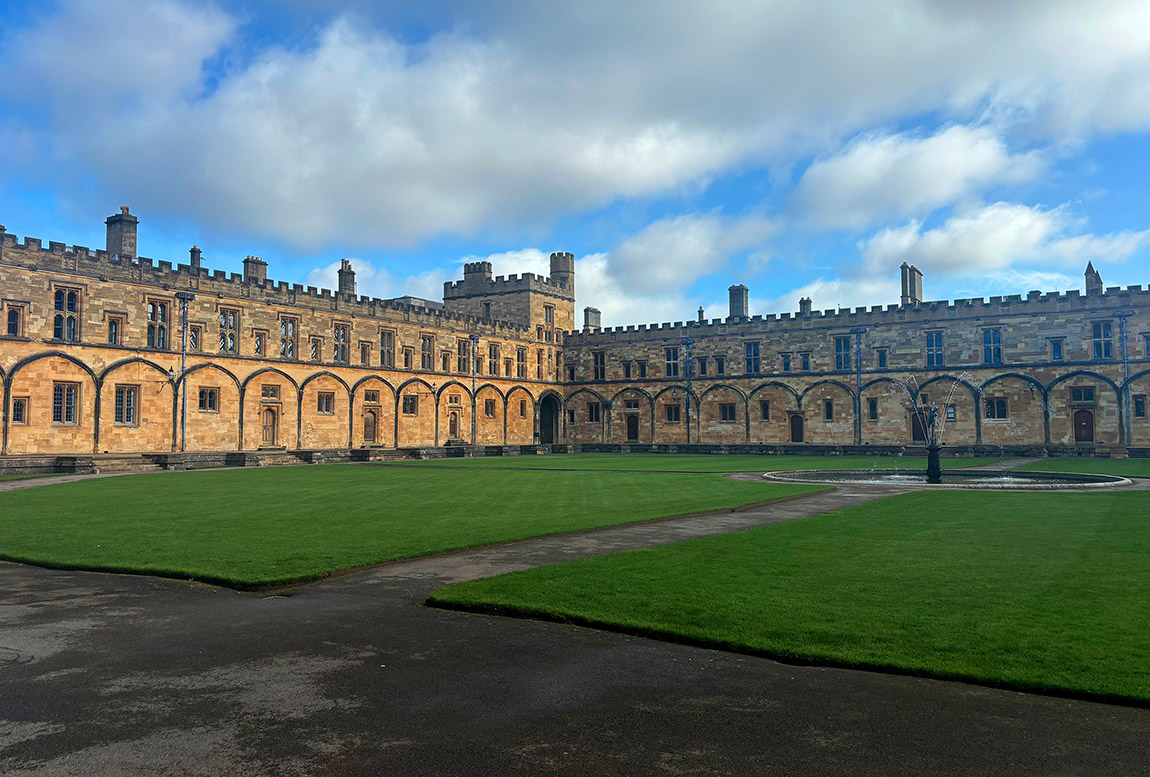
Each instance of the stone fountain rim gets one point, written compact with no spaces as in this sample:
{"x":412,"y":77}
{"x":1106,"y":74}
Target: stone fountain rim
{"x":1068,"y":480}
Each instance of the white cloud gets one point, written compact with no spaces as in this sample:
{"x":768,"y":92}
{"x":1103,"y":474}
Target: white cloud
{"x":995,"y":237}
{"x":833,"y":293}
{"x":879,"y":176}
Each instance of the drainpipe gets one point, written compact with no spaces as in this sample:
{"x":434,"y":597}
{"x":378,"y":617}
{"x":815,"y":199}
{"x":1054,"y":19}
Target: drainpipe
{"x":1124,"y":427}
{"x":858,"y":332}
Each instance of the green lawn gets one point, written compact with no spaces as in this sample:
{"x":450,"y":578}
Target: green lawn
{"x":278,"y":525}
{"x":659,"y":462}
{"x":1131,"y":468}
{"x":1031,"y":591}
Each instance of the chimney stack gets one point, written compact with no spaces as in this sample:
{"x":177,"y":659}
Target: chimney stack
{"x":701,"y":314}
{"x":911,"y":285}
{"x":740,"y":302}
{"x":592,"y":319}
{"x":194,"y":256}
{"x":256,"y":269}
{"x":346,"y":278}
{"x":805,"y":305}
{"x":122,"y":234}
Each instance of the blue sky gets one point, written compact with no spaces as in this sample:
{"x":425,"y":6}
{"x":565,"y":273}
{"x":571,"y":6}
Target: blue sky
{"x":804,"y":149}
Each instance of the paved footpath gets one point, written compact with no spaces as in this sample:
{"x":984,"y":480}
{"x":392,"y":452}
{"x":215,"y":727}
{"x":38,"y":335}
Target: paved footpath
{"x":120,"y":675}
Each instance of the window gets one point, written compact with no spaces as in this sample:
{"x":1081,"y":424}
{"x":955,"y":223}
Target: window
{"x":260,"y":338}
{"x":991,"y":347}
{"x":454,"y":399}
{"x":630,"y":404}
{"x":478,"y":363}
{"x":1056,"y":350}
{"x":325,"y":402}
{"x":1083,"y":394}
{"x":445,"y":360}
{"x":65,"y":324}
{"x":316,"y":346}
{"x":752,"y":353}
{"x":599,"y":365}
{"x":489,"y":408}
{"x":951,"y":415}
{"x":672,"y":362}
{"x":571,"y":415}
{"x":828,"y":409}
{"x":157,"y":324}
{"x":15,"y":321}
{"x":934,"y":349}
{"x":786,"y":362}
{"x":720,"y":365}
{"x":702,"y":367}
{"x":487,"y":310}
{"x":371,"y":397}
{"x":549,"y":314}
{"x":880,"y":358}
{"x":805,"y":362}
{"x":20,"y":410}
{"x":493,"y":359}
{"x":115,"y":330}
{"x":1103,"y":332}
{"x":570,"y":373}
{"x":288,"y":327}
{"x":539,"y":363}
{"x":1146,"y":345}
{"x":842,"y":353}
{"x":593,"y":412}
{"x":521,"y":362}
{"x":229,"y":321}
{"x":127,"y":400}
{"x":626,"y":370}
{"x":727,"y":413}
{"x":386,"y":348}
{"x":523,"y":408}
{"x":269,"y":393}
{"x":872,"y":409}
{"x":1139,"y":406}
{"x":410,"y":404}
{"x":427,"y":352}
{"x":765,"y":410}
{"x":339,"y":337}
{"x":673,"y":414}
{"x":365,"y":353}
{"x":408,"y":358}
{"x":65,"y":398}
{"x":209,"y":399}
{"x":996,"y":408}
{"x":507,"y":368}
{"x":463,"y":351}
{"x":195,"y":337}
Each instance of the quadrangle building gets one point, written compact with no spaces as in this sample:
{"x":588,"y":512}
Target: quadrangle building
{"x":108,"y":352}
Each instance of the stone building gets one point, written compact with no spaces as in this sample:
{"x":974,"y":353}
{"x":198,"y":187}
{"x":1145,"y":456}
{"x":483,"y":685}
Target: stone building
{"x":110,"y":352}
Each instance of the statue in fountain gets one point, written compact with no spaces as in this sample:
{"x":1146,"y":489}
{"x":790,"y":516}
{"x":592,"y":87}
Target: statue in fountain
{"x":933,"y":465}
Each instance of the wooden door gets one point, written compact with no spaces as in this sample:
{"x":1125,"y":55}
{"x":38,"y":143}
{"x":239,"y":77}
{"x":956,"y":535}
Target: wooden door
{"x":1084,"y":426}
{"x":369,"y":427}
{"x":796,"y":428}
{"x":270,"y":424}
{"x":453,"y":426}
{"x":917,"y":430}
{"x":632,"y":428}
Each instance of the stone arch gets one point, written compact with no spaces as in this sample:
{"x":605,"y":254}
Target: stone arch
{"x":377,"y":417}
{"x":1138,"y":427}
{"x":458,"y":414}
{"x":1106,"y":410}
{"x":665,"y":430}
{"x":415,"y":427}
{"x":963,"y":428}
{"x":839,"y":427}
{"x":270,"y":389}
{"x":208,"y":427}
{"x":637,"y":420}
{"x":768,"y":423}
{"x":1026,"y":421}
{"x":581,"y":424}
{"x":490,"y":414}
{"x":319,"y":427}
{"x":715,"y":424}
{"x":151,"y":406}
{"x":34,"y":378}
{"x":519,"y":417}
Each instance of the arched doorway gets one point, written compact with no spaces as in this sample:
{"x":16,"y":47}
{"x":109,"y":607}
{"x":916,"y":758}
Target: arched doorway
{"x":549,"y":420}
{"x":1084,"y":426}
{"x":796,"y":427}
{"x":453,"y":426}
{"x":369,"y":424}
{"x":271,"y":426}
{"x":917,"y":429}
{"x":632,"y":428}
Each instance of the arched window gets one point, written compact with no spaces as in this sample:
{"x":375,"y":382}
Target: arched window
{"x":65,"y":325}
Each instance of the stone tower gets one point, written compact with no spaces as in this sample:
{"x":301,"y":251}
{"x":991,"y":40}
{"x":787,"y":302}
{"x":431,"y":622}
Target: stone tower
{"x":1093,"y":281}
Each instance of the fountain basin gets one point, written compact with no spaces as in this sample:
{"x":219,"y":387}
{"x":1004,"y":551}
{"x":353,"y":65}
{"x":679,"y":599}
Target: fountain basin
{"x":954,"y":478}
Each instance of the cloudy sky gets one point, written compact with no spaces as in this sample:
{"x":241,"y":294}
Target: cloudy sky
{"x":675,"y":147}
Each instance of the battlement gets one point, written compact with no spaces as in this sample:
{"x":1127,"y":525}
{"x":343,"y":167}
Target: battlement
{"x":929,"y":313}
{"x":31,"y":254}
{"x":477,"y":282}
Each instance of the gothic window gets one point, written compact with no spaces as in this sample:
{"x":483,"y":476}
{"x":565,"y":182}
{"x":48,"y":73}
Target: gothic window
{"x":786,"y":362}
{"x":507,"y":368}
{"x":881,"y":358}
{"x":539,"y":354}
{"x":828,"y":409}
{"x":315,"y":344}
{"x":1103,"y":332}
{"x":20,"y":410}
{"x":493,"y":359}
{"x":951,"y":415}
{"x":445,"y":360}
{"x":260,"y":339}
{"x":209,"y":400}
{"x":127,"y":399}
{"x":765,"y":410}
{"x":157,"y":324}
{"x":1056,"y":350}
{"x":934,"y":349}
{"x":842,"y":353}
{"x":872,"y":409}
{"x":593,"y":412}
{"x":727,"y":413}
{"x":991,"y":347}
{"x":463,"y":363}
{"x":195,"y":338}
{"x":805,"y":362}
{"x":752,"y":353}
{"x":229,"y":326}
{"x":339,"y":336}
{"x":720,"y":365}
{"x":523,"y":408}
{"x":288,"y":327}
{"x":672,"y":362}
{"x":15,"y":321}
{"x":489,"y":408}
{"x":702,"y":367}
{"x":426,"y":352}
{"x":65,"y":401}
{"x":521,"y":362}
{"x":599,"y":365}
{"x":65,"y":323}
{"x":365,"y":353}
{"x":549,"y":314}
{"x":386,"y":348}
{"x":115,"y":330}
{"x":408,"y":358}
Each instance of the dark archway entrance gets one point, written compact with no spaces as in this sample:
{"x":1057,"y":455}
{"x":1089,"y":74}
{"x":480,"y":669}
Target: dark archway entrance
{"x":1084,"y":426}
{"x":917,"y":430}
{"x":369,"y":427}
{"x":632,"y":428}
{"x":796,"y":428}
{"x":549,"y":420}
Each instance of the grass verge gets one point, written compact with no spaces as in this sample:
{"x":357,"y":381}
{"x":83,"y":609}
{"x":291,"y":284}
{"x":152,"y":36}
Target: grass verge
{"x":1040,"y":592}
{"x":282,"y":525}
{"x":659,"y":462}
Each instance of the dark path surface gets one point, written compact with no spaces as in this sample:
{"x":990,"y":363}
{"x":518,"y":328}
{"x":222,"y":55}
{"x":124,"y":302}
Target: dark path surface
{"x":117,"y":675}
